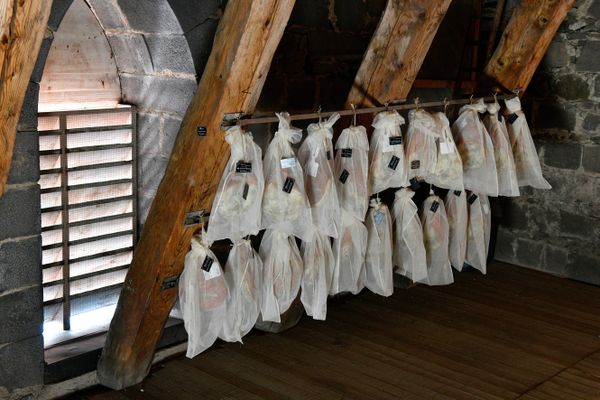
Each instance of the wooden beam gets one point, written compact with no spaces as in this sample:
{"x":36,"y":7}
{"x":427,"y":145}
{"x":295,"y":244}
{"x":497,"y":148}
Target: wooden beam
{"x":524,"y":42}
{"x":22,"y":27}
{"x":396,"y":51}
{"x":245,"y":42}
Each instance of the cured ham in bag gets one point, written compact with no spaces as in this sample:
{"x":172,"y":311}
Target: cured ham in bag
{"x":285,"y":205}
{"x":435,"y":239}
{"x":476,"y":150}
{"x":243,"y":273}
{"x":379,"y":269}
{"x":281,"y":274}
{"x":318,"y":272}
{"x":202,"y":296}
{"x":352,"y":171}
{"x":448,"y":172}
{"x":236,"y":210}
{"x":315,"y":156}
{"x":478,"y":233}
{"x":420,"y":148}
{"x":505,"y":163}
{"x":387,"y":165}
{"x":458,"y":219}
{"x":409,"y":251}
{"x":349,"y":252}
{"x":527,"y":163}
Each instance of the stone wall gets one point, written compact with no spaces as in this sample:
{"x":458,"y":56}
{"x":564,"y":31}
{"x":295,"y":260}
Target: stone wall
{"x":558,"y":231}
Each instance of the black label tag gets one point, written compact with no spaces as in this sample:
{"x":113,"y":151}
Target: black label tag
{"x":512,"y":118}
{"x":328,"y":155}
{"x":457,"y":193}
{"x":472,"y":198}
{"x":243,"y":167}
{"x":207,"y":264}
{"x":288,"y":185}
{"x":434,"y":206}
{"x":395,"y":140}
{"x":394,"y":162}
{"x":245,"y":193}
{"x":499,"y":117}
{"x":346,"y":152}
{"x":344,"y":176}
{"x":414,"y":184}
{"x":415,"y":164}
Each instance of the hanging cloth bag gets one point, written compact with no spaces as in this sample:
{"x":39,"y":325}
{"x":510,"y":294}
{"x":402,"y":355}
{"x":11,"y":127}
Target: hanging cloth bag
{"x":505,"y":163}
{"x":527,"y":163}
{"x":243,"y":273}
{"x":478,"y":232}
{"x":387,"y":165}
{"x":315,"y":156}
{"x":281,"y":274}
{"x":458,"y":219}
{"x":379,"y":269}
{"x":448,"y":172}
{"x":349,"y":252}
{"x":435,"y":239}
{"x":476,"y":150}
{"x":420,"y":148}
{"x":202,"y":296}
{"x":409,"y":251}
{"x":236,"y":210}
{"x":318,"y":272}
{"x":352,"y":171}
{"x":285,"y":206}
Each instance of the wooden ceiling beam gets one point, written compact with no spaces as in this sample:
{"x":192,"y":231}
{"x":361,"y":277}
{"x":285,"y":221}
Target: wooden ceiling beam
{"x":396,"y":51}
{"x":524,"y":42}
{"x":246,"y":39}
{"x":22,"y":28}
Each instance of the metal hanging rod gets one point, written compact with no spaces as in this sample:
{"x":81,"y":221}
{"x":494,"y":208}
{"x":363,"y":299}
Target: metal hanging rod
{"x":232,"y":119}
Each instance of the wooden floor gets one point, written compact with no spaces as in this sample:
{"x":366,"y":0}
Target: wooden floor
{"x":513,"y":334}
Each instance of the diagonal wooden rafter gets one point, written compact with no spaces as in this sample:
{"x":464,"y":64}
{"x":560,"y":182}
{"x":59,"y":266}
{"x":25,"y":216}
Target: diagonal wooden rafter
{"x":524,"y":42}
{"x":396,"y":51}
{"x":246,"y":40}
{"x":22,"y":27}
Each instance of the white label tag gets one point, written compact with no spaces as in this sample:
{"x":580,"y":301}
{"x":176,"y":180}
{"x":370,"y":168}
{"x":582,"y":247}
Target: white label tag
{"x":378,"y":217}
{"x":214,"y":272}
{"x":485,"y":208}
{"x":288,"y":162}
{"x":445,"y":147}
{"x":313,"y":169}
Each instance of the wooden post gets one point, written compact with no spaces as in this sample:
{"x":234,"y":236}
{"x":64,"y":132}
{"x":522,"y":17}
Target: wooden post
{"x":396,"y":51}
{"x":524,"y":42}
{"x":245,"y":42}
{"x":22,"y":27}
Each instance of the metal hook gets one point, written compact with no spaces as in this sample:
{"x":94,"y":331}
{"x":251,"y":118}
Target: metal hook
{"x":495,"y":94}
{"x":386,"y":106}
{"x":353,"y":106}
{"x":417,"y":104}
{"x":446,"y":104}
{"x":517,"y":91}
{"x":319,"y":114}
{"x":471,"y":99}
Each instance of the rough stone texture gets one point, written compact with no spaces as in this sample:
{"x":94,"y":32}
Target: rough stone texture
{"x":170,"y":130}
{"x":589,"y":60}
{"x":150,"y":16}
{"x":22,"y":364}
{"x":149,"y":132}
{"x":25,"y":163}
{"x":28,"y":117}
{"x":20,"y":263}
{"x":562,"y":155}
{"x":170,"y":53}
{"x":21,"y":312}
{"x":107,"y":13}
{"x":20,"y":212}
{"x":591,"y":159}
{"x":151,"y":171}
{"x":132,"y":54}
{"x":158,"y":93}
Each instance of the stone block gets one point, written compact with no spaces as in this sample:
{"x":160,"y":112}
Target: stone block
{"x":148,"y":136}
{"x":529,"y":253}
{"x":25,"y":165}
{"x":514,"y":215}
{"x":576,"y":225}
{"x":108,"y":14}
{"x":505,"y":246}
{"x":131,"y":53}
{"x":310,"y":13}
{"x":555,"y":260}
{"x":597,"y":87}
{"x":170,"y":52}
{"x":170,"y":130}
{"x":584,"y":267}
{"x":191,"y":14}
{"x":57,"y":13}
{"x":151,"y":172}
{"x":591,"y":159}
{"x":38,"y":70}
{"x":20,"y":212}
{"x":551,"y":115}
{"x":200,"y":42}
{"x":22,"y":364}
{"x":29,"y":110}
{"x":571,"y":87}
{"x":22,"y":314}
{"x":351,"y":15}
{"x":158,"y":93}
{"x":562,"y":155}
{"x":556,"y":55}
{"x":150,"y":16}
{"x":589,"y":59}
{"x":591,"y":122}
{"x":20,"y":263}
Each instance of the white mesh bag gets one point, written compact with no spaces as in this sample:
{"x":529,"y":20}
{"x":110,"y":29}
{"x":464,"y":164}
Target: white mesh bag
{"x":420,"y":147}
{"x":349,"y":252}
{"x":478,"y":231}
{"x":505,"y":163}
{"x":315,"y":156}
{"x":318,"y":271}
{"x":527,"y":163}
{"x":458,"y":219}
{"x":435,"y":239}
{"x":352,"y":171}
{"x":379,"y":269}
{"x":409,"y":251}
{"x":285,"y":206}
{"x":387,"y":165}
{"x":476,"y":150}
{"x":243,"y":273}
{"x":281,"y":275}
{"x":236,"y":210}
{"x":202,"y":297}
{"x":448,"y":172}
